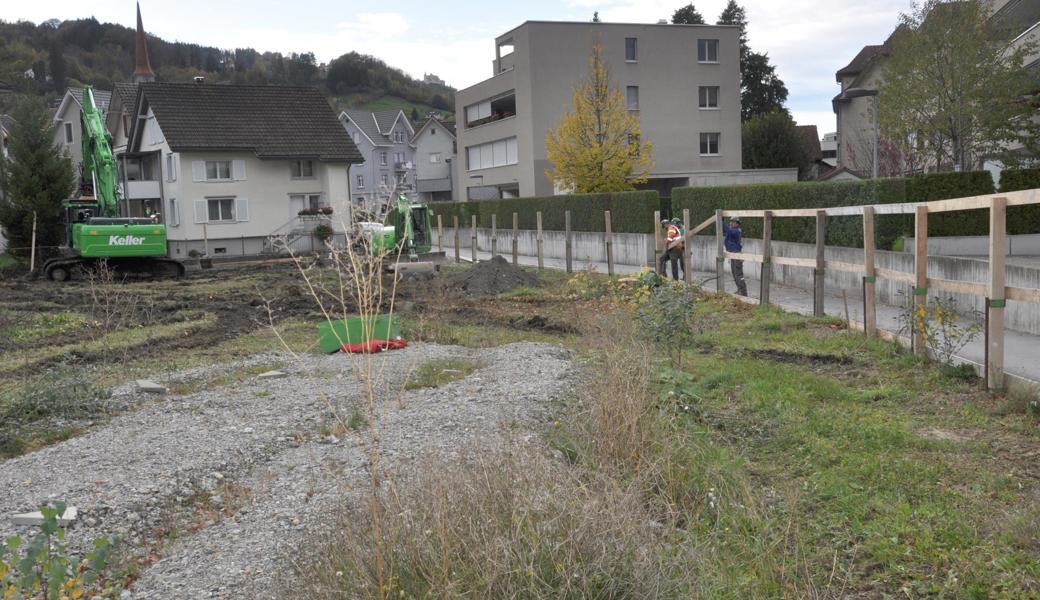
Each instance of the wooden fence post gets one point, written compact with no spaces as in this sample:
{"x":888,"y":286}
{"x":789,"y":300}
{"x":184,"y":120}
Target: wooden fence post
{"x":820,"y":274}
{"x":541,"y":257}
{"x":609,"y":238}
{"x":494,"y":234}
{"x":440,"y":234}
{"x":515,"y":240}
{"x":473,"y":240}
{"x":657,"y":240}
{"x":569,"y":242}
{"x":32,"y":246}
{"x":920,"y":274}
{"x":997,"y":300}
{"x":687,"y":269}
{"x":720,"y":260}
{"x":767,"y":257}
{"x":455,"y":226}
{"x":869,"y":274}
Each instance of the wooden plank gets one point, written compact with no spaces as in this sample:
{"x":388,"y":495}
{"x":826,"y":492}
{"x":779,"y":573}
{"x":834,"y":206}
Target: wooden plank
{"x":569,"y":241}
{"x":920,"y":274}
{"x":541,"y":257}
{"x":720,"y":253}
{"x":837,"y":265}
{"x":957,"y":287}
{"x":791,"y":261}
{"x":767,"y":252}
{"x":608,"y":238}
{"x":657,"y":239}
{"x":494,"y":234}
{"x":821,"y":265}
{"x":473,"y":240}
{"x":1018,"y":294}
{"x":745,"y":256}
{"x":869,"y":274}
{"x":900,"y":276}
{"x":687,"y":269}
{"x":455,"y":226}
{"x":440,"y":234}
{"x":516,"y":241}
{"x":995,"y":293}
{"x":706,"y":223}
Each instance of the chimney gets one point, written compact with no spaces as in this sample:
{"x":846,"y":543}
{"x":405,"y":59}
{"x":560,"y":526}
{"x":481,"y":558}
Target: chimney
{"x":143,"y":72}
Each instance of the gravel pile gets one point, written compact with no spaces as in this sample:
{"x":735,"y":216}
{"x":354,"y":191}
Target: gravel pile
{"x":269,"y":441}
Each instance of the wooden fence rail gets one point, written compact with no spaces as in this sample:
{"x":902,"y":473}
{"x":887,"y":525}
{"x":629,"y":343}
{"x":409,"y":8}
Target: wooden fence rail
{"x":995,"y":291}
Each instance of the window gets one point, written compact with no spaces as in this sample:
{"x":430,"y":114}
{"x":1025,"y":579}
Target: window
{"x":708,"y":51}
{"x":221,"y":209}
{"x":68,"y":133}
{"x":399,"y":137}
{"x":140,"y":169}
{"x":171,"y":168}
{"x":384,"y":180}
{"x":398,"y":157}
{"x":630,"y":49}
{"x":632,"y":97}
{"x":301,"y":169}
{"x":492,"y":154}
{"x":382,"y":158}
{"x":361,"y":181}
{"x":494,"y":109}
{"x":709,"y":144}
{"x":311,"y":201}
{"x":218,"y":170}
{"x":174,"y":216}
{"x":709,"y":97}
{"x":435,"y":157}
{"x":433,"y":131}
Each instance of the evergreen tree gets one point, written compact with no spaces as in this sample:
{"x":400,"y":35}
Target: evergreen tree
{"x":772,"y":141}
{"x":415,"y":115}
{"x":38,"y":178}
{"x":56,"y":60}
{"x":597,"y":147}
{"x":761,"y":90}
{"x":687,"y":15}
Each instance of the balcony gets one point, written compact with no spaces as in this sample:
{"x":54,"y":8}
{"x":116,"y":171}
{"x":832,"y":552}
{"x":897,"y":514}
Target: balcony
{"x":489,"y":111}
{"x":403,"y":167}
{"x":433,"y":185}
{"x":142,"y":190}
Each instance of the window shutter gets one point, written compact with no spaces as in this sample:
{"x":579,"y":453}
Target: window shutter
{"x":174,"y":159}
{"x":174,"y":218}
{"x":201,"y":211}
{"x":238,"y":170}
{"x":198,"y":171}
{"x":241,"y":209}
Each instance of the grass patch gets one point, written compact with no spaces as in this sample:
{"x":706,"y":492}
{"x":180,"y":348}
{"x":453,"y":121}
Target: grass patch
{"x":43,"y":325}
{"x":436,"y":373}
{"x":473,"y":336}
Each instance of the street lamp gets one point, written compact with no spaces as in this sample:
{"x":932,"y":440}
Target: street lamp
{"x":851,"y":93}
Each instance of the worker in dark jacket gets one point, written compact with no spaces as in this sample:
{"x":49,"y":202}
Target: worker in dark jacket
{"x":733,"y":243}
{"x":672,"y":252}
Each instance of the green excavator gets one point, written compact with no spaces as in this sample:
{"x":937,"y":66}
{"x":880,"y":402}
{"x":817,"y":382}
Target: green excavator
{"x":95,"y":231}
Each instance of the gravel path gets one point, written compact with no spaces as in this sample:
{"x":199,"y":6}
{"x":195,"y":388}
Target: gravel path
{"x":263,"y":442}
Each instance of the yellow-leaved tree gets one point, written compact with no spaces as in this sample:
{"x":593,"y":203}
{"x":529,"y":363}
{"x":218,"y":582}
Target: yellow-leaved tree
{"x":597,"y":147}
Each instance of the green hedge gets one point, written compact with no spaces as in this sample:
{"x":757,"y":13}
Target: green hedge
{"x":1021,"y":219}
{"x":844,"y":231}
{"x":941,"y":186}
{"x":841,"y":231}
{"x":630,"y":212}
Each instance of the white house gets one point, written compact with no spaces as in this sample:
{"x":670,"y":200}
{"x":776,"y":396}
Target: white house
{"x":237,"y":164}
{"x":68,"y":133}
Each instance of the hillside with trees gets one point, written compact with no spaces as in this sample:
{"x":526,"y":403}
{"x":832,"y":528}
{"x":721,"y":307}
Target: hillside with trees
{"x":44,"y":59}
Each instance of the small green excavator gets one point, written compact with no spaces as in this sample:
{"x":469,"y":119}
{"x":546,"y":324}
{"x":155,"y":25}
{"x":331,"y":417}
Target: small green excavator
{"x":95,"y":230}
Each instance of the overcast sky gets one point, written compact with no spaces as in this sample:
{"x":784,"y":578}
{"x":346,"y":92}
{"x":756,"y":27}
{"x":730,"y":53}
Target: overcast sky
{"x":808,"y":40}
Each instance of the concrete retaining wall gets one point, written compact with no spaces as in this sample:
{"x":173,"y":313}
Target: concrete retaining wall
{"x":978,"y":245}
{"x":637,"y":249}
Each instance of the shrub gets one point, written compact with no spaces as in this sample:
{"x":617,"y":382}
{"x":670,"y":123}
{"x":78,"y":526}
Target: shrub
{"x":630,"y":212}
{"x":1021,"y":219}
{"x":941,"y":186}
{"x":323,"y":232}
{"x":65,"y":393}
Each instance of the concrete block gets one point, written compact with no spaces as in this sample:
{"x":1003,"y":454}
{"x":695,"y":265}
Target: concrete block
{"x":150,"y":387}
{"x":36,"y":518}
{"x":272,"y":375}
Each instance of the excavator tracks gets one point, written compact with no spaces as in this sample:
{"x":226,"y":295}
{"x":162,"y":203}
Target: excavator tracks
{"x":66,"y":269}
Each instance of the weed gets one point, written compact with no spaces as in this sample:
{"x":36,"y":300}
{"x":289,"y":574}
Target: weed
{"x":939,"y":325}
{"x":436,"y":373}
{"x":67,"y":392}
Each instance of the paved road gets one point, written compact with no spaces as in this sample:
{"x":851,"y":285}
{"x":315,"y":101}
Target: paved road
{"x":1021,"y":349}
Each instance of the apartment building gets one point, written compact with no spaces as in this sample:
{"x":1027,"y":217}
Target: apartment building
{"x":683,"y":81}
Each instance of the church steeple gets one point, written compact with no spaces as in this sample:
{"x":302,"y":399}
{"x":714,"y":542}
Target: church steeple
{"x":143,"y":72}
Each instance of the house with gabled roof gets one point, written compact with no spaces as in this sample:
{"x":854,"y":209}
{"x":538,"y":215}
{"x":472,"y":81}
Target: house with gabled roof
{"x":435,"y":155}
{"x":384,"y":140}
{"x":239,"y":164}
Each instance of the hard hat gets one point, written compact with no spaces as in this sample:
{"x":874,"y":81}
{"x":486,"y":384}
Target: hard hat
{"x":675,"y":221}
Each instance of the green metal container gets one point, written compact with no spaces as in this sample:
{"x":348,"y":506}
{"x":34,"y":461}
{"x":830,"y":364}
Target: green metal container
{"x":331,"y":336}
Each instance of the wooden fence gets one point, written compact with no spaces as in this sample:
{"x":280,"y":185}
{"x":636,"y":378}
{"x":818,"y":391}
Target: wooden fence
{"x":995,"y":291}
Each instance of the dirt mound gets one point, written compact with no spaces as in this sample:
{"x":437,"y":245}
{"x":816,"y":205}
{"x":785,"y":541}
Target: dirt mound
{"x":491,"y":277}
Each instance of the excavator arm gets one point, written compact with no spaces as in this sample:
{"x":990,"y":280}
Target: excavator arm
{"x":99,"y":163}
